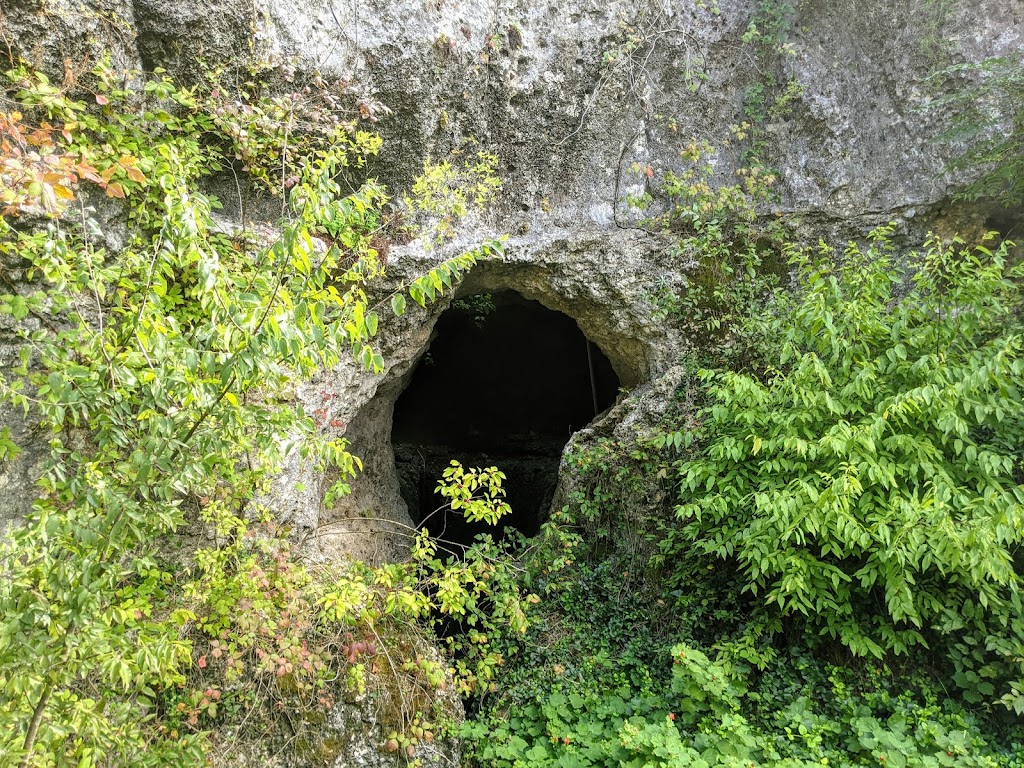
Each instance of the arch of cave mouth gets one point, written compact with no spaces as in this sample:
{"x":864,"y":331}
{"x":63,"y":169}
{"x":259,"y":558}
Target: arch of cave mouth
{"x":505,"y":383}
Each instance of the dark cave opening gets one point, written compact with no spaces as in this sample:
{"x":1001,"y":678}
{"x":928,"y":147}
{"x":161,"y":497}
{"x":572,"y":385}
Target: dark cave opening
{"x":505,"y":382}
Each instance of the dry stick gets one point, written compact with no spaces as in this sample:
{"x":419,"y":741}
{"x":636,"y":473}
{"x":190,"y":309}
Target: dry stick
{"x":243,"y":213}
{"x":623,"y":146}
{"x":590,"y":365}
{"x":436,"y":539}
{"x":587,"y":105}
{"x":284,"y":166}
{"x":415,"y":532}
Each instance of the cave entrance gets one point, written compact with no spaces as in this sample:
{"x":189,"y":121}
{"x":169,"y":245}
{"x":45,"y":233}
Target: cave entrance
{"x":505,"y":382}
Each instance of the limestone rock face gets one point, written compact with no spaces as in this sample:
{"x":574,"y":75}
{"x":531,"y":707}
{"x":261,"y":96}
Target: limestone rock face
{"x":577,"y":99}
{"x":65,"y":38}
{"x":571,"y":95}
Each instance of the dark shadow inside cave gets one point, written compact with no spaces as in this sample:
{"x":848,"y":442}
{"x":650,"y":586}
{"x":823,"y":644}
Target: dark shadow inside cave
{"x":505,"y":383}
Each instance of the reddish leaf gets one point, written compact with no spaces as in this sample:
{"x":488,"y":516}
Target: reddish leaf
{"x":115,"y":190}
{"x":102,"y":100}
{"x":86,"y":171}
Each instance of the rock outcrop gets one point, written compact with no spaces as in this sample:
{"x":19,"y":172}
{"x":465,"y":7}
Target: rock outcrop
{"x":577,"y":99}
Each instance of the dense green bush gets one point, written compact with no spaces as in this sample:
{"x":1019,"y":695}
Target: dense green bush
{"x":608,"y":676}
{"x":870,"y":478}
{"x":854,"y":493}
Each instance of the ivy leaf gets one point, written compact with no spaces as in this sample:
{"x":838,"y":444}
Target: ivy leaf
{"x":135,"y":174}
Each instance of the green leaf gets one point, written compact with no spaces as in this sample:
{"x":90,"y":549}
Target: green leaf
{"x":417,"y":295}
{"x":398,"y":304}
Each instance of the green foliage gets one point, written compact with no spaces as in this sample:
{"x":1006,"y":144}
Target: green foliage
{"x":613,"y":478}
{"x":848,"y":484}
{"x":480,"y":591}
{"x":447,"y":190}
{"x":860,"y":479}
{"x":161,"y":374}
{"x":605,"y":678}
{"x":936,"y":44}
{"x":771,"y":96}
{"x":477,"y":492}
{"x":8,"y":448}
{"x":270,"y":634}
{"x":870,"y":481}
{"x":770,"y":26}
{"x":582,"y":667}
{"x":852,"y":454}
{"x":479,"y":305}
{"x":729,"y":244}
{"x":701,"y":210}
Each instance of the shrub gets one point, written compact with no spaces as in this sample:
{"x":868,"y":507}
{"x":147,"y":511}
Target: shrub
{"x":161,"y":374}
{"x":870,"y":481}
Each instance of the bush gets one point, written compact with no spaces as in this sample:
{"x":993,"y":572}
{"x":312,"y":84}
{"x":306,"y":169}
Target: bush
{"x":162,"y":376}
{"x":869,"y":480}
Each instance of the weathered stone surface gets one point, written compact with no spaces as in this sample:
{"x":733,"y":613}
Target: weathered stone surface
{"x":572,"y":94}
{"x":67,"y":38}
{"x":175,"y":34}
